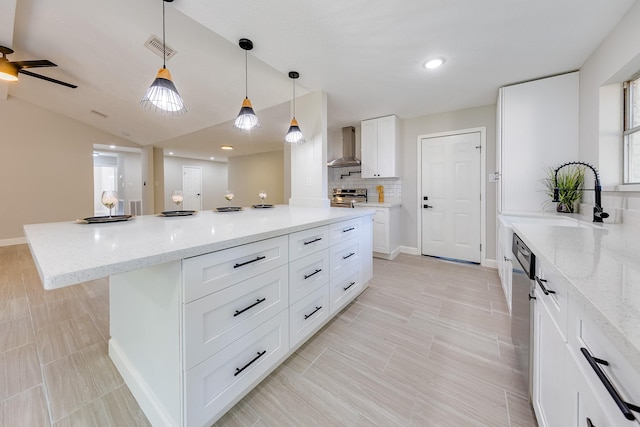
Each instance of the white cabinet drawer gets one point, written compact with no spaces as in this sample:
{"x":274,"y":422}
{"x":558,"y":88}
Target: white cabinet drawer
{"x":308,"y":274}
{"x":308,"y":314}
{"x":212,"y":272}
{"x":345,"y":230}
{"x":624,"y":377}
{"x":556,"y":298}
{"x":344,"y":288}
{"x":306,"y":242}
{"x":344,"y":256}
{"x":215,"y":321}
{"x":217,"y":381}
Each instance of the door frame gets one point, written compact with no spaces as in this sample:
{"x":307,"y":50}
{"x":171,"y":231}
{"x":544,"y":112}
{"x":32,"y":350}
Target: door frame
{"x":483,"y":185}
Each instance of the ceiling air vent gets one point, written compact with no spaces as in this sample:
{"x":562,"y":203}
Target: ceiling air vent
{"x":154,"y":44}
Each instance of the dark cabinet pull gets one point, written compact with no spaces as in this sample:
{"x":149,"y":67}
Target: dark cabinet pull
{"x":317,"y":239}
{"x":624,"y":407}
{"x":589,"y":423}
{"x":545,"y":290}
{"x":306,"y":316}
{"x":349,"y":256}
{"x":350,"y":285}
{"x":348,"y":229}
{"x":260,"y":354}
{"x":249,"y":262}
{"x":258,"y":301}
{"x":306,"y":276}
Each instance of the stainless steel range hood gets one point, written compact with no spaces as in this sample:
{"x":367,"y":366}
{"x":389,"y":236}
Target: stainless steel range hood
{"x":348,"y":150}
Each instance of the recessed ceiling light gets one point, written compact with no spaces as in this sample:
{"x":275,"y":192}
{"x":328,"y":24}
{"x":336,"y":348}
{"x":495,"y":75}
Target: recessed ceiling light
{"x":226,"y":147}
{"x":112,"y":147}
{"x":171,"y":153}
{"x":210,"y":158}
{"x":433,"y":63}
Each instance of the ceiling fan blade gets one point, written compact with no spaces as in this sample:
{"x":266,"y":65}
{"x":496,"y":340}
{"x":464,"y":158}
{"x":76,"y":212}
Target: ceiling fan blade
{"x":36,"y":63}
{"x":49,"y":79}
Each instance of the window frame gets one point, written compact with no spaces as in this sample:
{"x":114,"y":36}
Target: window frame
{"x":627,"y":130}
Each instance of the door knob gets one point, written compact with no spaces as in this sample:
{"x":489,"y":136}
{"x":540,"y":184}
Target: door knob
{"x":427,"y":206}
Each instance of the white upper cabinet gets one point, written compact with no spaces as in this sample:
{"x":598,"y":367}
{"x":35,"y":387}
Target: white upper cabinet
{"x":380,"y":138}
{"x":537,"y":128}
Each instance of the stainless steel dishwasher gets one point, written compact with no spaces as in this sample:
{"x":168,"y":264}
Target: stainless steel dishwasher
{"x":522,"y":288}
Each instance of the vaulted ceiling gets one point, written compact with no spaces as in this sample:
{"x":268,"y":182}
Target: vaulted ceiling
{"x":366,"y":54}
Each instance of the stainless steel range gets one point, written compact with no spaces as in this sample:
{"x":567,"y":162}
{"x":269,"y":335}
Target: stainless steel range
{"x":347,"y":198}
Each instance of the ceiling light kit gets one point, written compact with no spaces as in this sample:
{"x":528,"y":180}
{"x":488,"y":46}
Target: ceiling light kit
{"x":9,"y":69}
{"x":433,"y":63}
{"x":294,"y":134}
{"x":226,"y":147}
{"x":247,"y":119}
{"x":162,"y":96}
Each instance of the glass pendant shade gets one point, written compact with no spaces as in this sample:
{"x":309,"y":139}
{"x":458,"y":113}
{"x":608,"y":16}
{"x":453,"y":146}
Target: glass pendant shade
{"x":294,"y":135}
{"x":162,"y":95}
{"x":247,"y":118}
{"x":8,"y":72}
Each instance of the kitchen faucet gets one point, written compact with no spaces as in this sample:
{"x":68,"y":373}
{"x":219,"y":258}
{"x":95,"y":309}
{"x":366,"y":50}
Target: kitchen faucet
{"x":598,"y":212}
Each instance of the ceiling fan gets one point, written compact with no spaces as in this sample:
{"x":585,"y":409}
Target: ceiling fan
{"x":9,"y":69}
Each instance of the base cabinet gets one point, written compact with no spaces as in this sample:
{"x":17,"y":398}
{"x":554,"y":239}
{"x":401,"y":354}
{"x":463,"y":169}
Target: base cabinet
{"x":386,"y":231}
{"x":192,"y":337}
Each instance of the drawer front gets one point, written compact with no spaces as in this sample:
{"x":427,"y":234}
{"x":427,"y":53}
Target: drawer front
{"x":624,"y":377}
{"x":557,"y":299}
{"x":214,"y":383}
{"x":306,"y":242}
{"x":344,"y":230}
{"x":344,"y":288}
{"x":308,"y":314}
{"x":212,"y":272}
{"x":308,"y":274}
{"x":215,"y":321}
{"x":344,"y":256}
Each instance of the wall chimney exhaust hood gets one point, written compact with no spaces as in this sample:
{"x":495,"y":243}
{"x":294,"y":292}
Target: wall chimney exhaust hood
{"x":348,"y":150}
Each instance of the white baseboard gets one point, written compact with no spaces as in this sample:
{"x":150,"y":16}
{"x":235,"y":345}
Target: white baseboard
{"x":491,"y":263}
{"x":11,"y":242}
{"x":409,"y":250}
{"x":139,"y":388}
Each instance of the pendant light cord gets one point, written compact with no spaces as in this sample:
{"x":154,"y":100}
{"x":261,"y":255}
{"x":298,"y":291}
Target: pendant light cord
{"x":164,"y":47}
{"x":246,"y":74}
{"x":294,"y":97}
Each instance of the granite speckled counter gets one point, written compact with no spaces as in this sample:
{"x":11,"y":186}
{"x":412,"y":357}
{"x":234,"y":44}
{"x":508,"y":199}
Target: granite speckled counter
{"x":602,"y":265}
{"x":67,"y":253}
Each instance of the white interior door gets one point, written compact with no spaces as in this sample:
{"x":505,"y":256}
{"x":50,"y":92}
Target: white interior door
{"x":192,"y":188}
{"x":451,"y":196}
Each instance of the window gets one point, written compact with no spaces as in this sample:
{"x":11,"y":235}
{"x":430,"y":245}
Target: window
{"x":631,"y":135}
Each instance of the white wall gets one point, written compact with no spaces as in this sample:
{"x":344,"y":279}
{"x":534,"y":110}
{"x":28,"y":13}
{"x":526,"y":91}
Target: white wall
{"x":248,"y":175}
{"x":214,"y":181}
{"x":46,"y":167}
{"x":455,"y":120}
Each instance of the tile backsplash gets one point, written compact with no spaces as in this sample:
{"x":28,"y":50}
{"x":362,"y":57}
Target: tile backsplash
{"x":350,"y":178}
{"x":622,"y":207}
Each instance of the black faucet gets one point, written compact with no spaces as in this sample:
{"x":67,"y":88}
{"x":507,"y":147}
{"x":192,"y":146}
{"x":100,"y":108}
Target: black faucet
{"x":598,"y":212}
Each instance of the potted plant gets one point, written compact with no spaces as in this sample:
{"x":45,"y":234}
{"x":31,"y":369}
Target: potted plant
{"x":570,"y":183}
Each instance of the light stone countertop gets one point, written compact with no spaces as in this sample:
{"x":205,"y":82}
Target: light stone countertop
{"x":602,"y":266}
{"x":67,"y":253}
{"x":372,"y":203}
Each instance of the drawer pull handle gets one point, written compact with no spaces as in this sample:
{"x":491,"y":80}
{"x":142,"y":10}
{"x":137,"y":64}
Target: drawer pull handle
{"x":317,"y":239}
{"x":589,"y":423}
{"x":306,"y":316}
{"x":350,"y":285}
{"x":348,"y":229}
{"x":249,"y":262}
{"x":349,"y":256}
{"x":306,"y":276}
{"x":258,"y":301}
{"x":544,"y":289}
{"x":625,"y":407}
{"x":260,"y":354}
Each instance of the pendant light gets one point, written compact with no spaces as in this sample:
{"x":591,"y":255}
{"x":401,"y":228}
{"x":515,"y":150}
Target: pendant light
{"x":162,"y":96}
{"x":294,"y":135}
{"x":247,"y":119}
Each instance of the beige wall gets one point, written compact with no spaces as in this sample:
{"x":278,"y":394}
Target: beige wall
{"x":455,"y":120}
{"x":214,"y":181}
{"x":250,"y":174}
{"x":46,"y":166}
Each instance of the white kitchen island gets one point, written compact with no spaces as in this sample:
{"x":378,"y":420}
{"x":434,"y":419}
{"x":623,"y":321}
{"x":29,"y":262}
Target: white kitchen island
{"x":202,"y":308}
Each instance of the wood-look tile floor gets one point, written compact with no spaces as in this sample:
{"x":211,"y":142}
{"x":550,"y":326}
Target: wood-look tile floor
{"x":427,"y":344}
